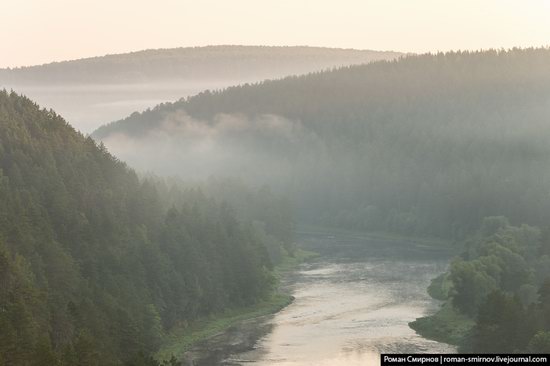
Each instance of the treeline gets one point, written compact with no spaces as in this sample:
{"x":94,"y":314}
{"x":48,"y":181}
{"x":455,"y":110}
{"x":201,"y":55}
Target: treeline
{"x":190,"y":64}
{"x":269,"y":214}
{"x":423,"y":145}
{"x":502,"y":282}
{"x":96,"y":265}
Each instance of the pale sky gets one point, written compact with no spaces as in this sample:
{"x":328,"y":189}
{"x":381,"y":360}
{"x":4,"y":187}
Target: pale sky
{"x":40,"y":31}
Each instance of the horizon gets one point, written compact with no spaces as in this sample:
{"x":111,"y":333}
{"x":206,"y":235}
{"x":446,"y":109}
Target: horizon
{"x":274,"y":182}
{"x":226,"y":45}
{"x":504,"y":49}
{"x":62,"y":30}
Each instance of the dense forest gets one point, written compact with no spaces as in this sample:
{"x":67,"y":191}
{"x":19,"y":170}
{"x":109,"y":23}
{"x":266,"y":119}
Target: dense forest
{"x":190,"y":64}
{"x":500,"y":287}
{"x":97,"y":264}
{"x":426,"y":144}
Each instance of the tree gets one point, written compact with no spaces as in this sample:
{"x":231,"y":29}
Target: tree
{"x":540,"y":343}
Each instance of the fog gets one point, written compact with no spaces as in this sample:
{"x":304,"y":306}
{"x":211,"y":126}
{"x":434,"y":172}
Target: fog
{"x":93,"y":91}
{"x":280,"y":204}
{"x":413,"y":146}
{"x":259,"y":150}
{"x":88,"y":106}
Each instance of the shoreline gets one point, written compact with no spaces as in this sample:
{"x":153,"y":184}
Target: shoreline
{"x":446,"y":325}
{"x":230,"y":326}
{"x":180,"y":342}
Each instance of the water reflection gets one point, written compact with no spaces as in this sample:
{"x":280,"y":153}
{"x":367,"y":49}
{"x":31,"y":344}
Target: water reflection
{"x":352,"y":306}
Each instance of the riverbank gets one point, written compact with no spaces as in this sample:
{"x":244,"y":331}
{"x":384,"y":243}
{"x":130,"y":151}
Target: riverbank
{"x":418,"y":241}
{"x":182,"y":340}
{"x":352,"y":304}
{"x":447,"y":324}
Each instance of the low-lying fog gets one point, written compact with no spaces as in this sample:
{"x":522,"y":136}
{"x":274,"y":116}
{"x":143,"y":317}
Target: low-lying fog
{"x":87,"y":107}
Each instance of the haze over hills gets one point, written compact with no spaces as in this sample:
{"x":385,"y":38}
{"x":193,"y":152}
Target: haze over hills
{"x":381,"y":186}
{"x":426,"y":144}
{"x":198,"y":64}
{"x":92,"y":91}
{"x":101,"y":267}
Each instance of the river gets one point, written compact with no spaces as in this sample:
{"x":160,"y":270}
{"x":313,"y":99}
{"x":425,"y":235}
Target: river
{"x":351,"y":304}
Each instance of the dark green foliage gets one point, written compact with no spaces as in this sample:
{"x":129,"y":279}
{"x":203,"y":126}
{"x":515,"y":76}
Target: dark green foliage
{"x":501,"y":325}
{"x":498,"y":282}
{"x":94,"y":265}
{"x":540,"y":343}
{"x":502,"y":257}
{"x":268,"y":213}
{"x":143,"y":360}
{"x":426,"y":144}
{"x":470,"y":286}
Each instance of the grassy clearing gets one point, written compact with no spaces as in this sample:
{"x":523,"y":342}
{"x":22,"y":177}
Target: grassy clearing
{"x":182,"y":339}
{"x":447,"y":325}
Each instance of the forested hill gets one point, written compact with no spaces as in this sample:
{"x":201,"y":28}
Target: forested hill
{"x":96,"y":264}
{"x":192,"y":64}
{"x":426,"y":144}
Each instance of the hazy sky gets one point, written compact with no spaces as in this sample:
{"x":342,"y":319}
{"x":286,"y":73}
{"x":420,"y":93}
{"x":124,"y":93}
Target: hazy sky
{"x":39,"y":31}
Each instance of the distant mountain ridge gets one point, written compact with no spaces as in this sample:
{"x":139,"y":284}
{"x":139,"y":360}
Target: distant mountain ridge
{"x":191,"y":63}
{"x":91,"y":91}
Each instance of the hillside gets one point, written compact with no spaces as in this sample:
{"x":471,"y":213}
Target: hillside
{"x":426,"y":144}
{"x":92,"y":91}
{"x":97,"y":265}
{"x":191,"y":64}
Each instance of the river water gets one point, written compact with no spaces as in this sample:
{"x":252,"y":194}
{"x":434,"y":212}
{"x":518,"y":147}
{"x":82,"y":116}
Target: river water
{"x":351,"y":304}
